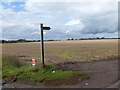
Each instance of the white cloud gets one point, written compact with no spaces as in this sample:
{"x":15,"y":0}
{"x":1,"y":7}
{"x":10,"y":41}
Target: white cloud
{"x":60,"y":0}
{"x":73,"y":0}
{"x":65,"y":19}
{"x":30,"y":24}
{"x":35,"y":33}
{"x":67,"y":31}
{"x":13,"y":0}
{"x":73,"y":22}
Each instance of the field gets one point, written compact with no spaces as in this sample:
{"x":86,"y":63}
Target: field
{"x":64,"y":51}
{"x":97,"y":58}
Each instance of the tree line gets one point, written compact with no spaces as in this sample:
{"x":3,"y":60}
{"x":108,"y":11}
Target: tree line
{"x":24,"y":40}
{"x":91,"y":38}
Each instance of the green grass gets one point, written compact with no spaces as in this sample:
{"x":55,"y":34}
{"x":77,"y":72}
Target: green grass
{"x":50,"y":75}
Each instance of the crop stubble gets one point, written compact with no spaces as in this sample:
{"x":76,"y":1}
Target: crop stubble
{"x":64,"y":51}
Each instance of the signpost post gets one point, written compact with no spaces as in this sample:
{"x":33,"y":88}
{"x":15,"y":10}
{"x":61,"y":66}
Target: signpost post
{"x":42,"y":42}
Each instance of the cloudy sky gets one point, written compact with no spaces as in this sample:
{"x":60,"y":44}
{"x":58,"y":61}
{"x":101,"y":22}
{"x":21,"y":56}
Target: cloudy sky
{"x":67,"y":19}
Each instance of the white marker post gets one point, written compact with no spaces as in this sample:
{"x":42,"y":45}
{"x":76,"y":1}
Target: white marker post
{"x":33,"y":62}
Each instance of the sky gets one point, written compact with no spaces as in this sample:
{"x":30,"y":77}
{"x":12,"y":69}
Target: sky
{"x":67,"y":19}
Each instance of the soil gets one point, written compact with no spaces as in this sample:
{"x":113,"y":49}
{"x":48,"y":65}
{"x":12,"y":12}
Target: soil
{"x":103,"y":74}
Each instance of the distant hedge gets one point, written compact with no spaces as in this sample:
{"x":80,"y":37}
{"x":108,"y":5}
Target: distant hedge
{"x":23,"y":40}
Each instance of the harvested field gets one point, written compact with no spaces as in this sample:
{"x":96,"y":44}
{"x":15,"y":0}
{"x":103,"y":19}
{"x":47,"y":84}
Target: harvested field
{"x":64,"y":51}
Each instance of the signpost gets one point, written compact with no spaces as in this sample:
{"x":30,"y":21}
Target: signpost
{"x":42,"y":42}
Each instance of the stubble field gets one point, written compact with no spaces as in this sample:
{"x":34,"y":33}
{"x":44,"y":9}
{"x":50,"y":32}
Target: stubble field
{"x":64,"y":51}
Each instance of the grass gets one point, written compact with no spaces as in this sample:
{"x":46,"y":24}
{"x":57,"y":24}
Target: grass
{"x":50,"y":75}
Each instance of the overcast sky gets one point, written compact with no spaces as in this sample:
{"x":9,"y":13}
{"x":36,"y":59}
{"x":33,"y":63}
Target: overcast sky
{"x":70,"y":19}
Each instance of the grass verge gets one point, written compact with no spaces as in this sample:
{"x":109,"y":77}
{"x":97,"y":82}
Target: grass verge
{"x":14,"y":70}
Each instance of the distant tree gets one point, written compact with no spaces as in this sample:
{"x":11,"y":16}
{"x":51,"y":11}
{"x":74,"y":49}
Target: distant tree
{"x":81,"y":39}
{"x":103,"y":38}
{"x":72,"y":38}
{"x":68,"y":39}
{"x":39,"y":40}
{"x":97,"y":38}
{"x":21,"y":40}
{"x":3,"y":41}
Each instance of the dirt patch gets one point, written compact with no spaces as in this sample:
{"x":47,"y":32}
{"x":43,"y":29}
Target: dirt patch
{"x":75,"y":65}
{"x":102,"y":73}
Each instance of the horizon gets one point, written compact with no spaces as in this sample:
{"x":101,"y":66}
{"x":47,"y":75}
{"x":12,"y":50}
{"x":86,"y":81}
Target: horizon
{"x":62,"y":39}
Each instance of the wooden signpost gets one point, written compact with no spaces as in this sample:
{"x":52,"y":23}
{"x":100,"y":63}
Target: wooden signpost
{"x":42,"y":42}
